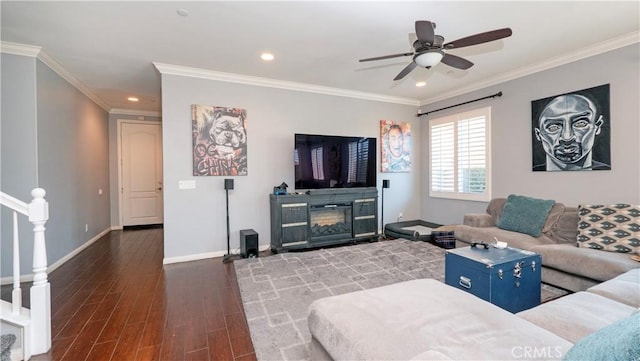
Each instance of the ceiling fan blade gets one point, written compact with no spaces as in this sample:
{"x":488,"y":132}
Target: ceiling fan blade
{"x":405,"y":71}
{"x":424,"y":31}
{"x":386,"y":57}
{"x":456,"y":61}
{"x":479,"y":38}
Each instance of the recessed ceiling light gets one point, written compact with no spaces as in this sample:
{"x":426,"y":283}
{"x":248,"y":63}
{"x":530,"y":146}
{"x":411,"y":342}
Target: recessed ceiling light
{"x":182,"y":12}
{"x":133,"y":99}
{"x":421,"y":84}
{"x":266,"y":56}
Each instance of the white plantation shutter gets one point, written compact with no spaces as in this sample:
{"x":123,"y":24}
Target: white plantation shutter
{"x":442,"y":158}
{"x":460,"y":155}
{"x":471,"y":155}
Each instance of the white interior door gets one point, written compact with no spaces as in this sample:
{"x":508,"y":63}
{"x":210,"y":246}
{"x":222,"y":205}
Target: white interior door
{"x":141,"y":151}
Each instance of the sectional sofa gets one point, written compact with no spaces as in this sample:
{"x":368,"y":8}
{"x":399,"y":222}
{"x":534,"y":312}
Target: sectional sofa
{"x":563,"y":263}
{"x":428,"y":320}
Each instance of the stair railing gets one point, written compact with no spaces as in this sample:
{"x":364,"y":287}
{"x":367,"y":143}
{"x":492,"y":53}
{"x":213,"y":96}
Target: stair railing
{"x":39,"y":337}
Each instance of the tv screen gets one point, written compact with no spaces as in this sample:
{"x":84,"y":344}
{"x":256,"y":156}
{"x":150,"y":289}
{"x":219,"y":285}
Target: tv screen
{"x":324,"y":161}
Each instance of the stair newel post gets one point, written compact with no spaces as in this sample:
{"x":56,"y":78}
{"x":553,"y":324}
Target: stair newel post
{"x":40,"y":291}
{"x":16,"y":294}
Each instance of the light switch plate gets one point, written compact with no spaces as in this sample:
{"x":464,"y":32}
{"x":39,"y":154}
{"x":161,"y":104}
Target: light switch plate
{"x":187,"y":184}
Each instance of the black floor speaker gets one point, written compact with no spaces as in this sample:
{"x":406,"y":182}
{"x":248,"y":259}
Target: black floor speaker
{"x":248,"y":243}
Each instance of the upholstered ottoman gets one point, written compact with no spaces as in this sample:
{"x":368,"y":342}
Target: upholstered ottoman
{"x":422,"y":319}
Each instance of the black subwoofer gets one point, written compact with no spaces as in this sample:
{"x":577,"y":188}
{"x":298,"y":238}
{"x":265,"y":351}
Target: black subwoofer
{"x":248,"y":243}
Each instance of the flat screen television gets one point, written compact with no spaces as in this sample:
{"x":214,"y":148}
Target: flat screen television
{"x":327,"y":161}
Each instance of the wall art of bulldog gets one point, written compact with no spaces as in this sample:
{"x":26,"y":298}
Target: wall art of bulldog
{"x":219,"y":140}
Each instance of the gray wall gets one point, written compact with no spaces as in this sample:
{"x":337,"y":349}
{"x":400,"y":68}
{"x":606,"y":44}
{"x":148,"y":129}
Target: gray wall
{"x":113,"y":161}
{"x":195,"y":220}
{"x":19,"y":172}
{"x":73,"y":163}
{"x":68,"y":149}
{"x":511,"y":137}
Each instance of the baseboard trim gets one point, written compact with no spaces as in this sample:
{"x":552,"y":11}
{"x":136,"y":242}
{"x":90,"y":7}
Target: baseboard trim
{"x":200,"y":256}
{"x":116,"y":228}
{"x":58,"y":263}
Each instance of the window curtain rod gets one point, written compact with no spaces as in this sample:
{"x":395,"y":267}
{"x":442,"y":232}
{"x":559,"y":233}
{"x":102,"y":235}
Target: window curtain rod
{"x":496,"y":95}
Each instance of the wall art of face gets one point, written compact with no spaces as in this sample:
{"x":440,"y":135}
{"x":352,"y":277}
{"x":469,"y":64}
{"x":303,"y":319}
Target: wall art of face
{"x":567,"y":128}
{"x":396,"y":141}
{"x":228,"y":130}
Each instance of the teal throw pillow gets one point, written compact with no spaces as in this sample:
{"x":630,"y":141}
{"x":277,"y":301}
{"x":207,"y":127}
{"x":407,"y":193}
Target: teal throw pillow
{"x":525,"y":214}
{"x":619,"y":341}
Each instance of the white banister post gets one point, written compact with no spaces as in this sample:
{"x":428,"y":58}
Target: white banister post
{"x":16,"y":295}
{"x":40,"y":291}
{"x":38,"y":215}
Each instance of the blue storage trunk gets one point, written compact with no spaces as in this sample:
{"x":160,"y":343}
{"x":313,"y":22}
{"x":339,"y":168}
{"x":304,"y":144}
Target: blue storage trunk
{"x":508,"y":278}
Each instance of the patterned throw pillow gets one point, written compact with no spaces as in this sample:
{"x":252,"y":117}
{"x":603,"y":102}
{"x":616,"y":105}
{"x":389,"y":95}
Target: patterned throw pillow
{"x":614,"y":228}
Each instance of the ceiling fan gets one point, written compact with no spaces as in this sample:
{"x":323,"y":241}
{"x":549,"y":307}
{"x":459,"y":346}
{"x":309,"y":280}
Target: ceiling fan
{"x":430,"y":50}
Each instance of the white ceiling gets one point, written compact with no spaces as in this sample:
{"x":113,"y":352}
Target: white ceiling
{"x":110,"y":47}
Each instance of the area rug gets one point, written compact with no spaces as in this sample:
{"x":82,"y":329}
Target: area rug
{"x":5,"y":346}
{"x":277,"y":290}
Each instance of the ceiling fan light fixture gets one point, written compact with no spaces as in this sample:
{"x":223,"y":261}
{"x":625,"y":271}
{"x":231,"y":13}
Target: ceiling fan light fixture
{"x":420,"y":84}
{"x":429,"y":58}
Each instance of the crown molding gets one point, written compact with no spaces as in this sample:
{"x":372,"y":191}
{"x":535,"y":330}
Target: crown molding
{"x":603,"y":47}
{"x":7,"y":47}
{"x":48,"y":60}
{"x":145,"y":113}
{"x":60,"y":70}
{"x":279,"y":84}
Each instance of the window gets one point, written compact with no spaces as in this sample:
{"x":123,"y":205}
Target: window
{"x":461,"y":156}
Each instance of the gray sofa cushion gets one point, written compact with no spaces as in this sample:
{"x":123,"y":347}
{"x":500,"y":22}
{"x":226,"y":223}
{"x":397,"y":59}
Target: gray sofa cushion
{"x":567,"y":281}
{"x":495,"y":207}
{"x":577,"y":315}
{"x":478,"y":220}
{"x":553,"y":217}
{"x":565,"y":227}
{"x":470,"y":234}
{"x":594,"y":264}
{"x":624,"y":288}
{"x":422,"y":317}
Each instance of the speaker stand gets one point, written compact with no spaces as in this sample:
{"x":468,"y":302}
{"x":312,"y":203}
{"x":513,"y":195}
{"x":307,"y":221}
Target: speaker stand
{"x":382,"y":236}
{"x":227,"y":257}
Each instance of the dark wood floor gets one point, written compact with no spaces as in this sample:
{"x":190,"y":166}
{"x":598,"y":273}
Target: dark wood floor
{"x":116,"y":301}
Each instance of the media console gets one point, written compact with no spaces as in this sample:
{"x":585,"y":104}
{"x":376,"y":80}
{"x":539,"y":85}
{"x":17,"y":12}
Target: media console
{"x":323,"y":217}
